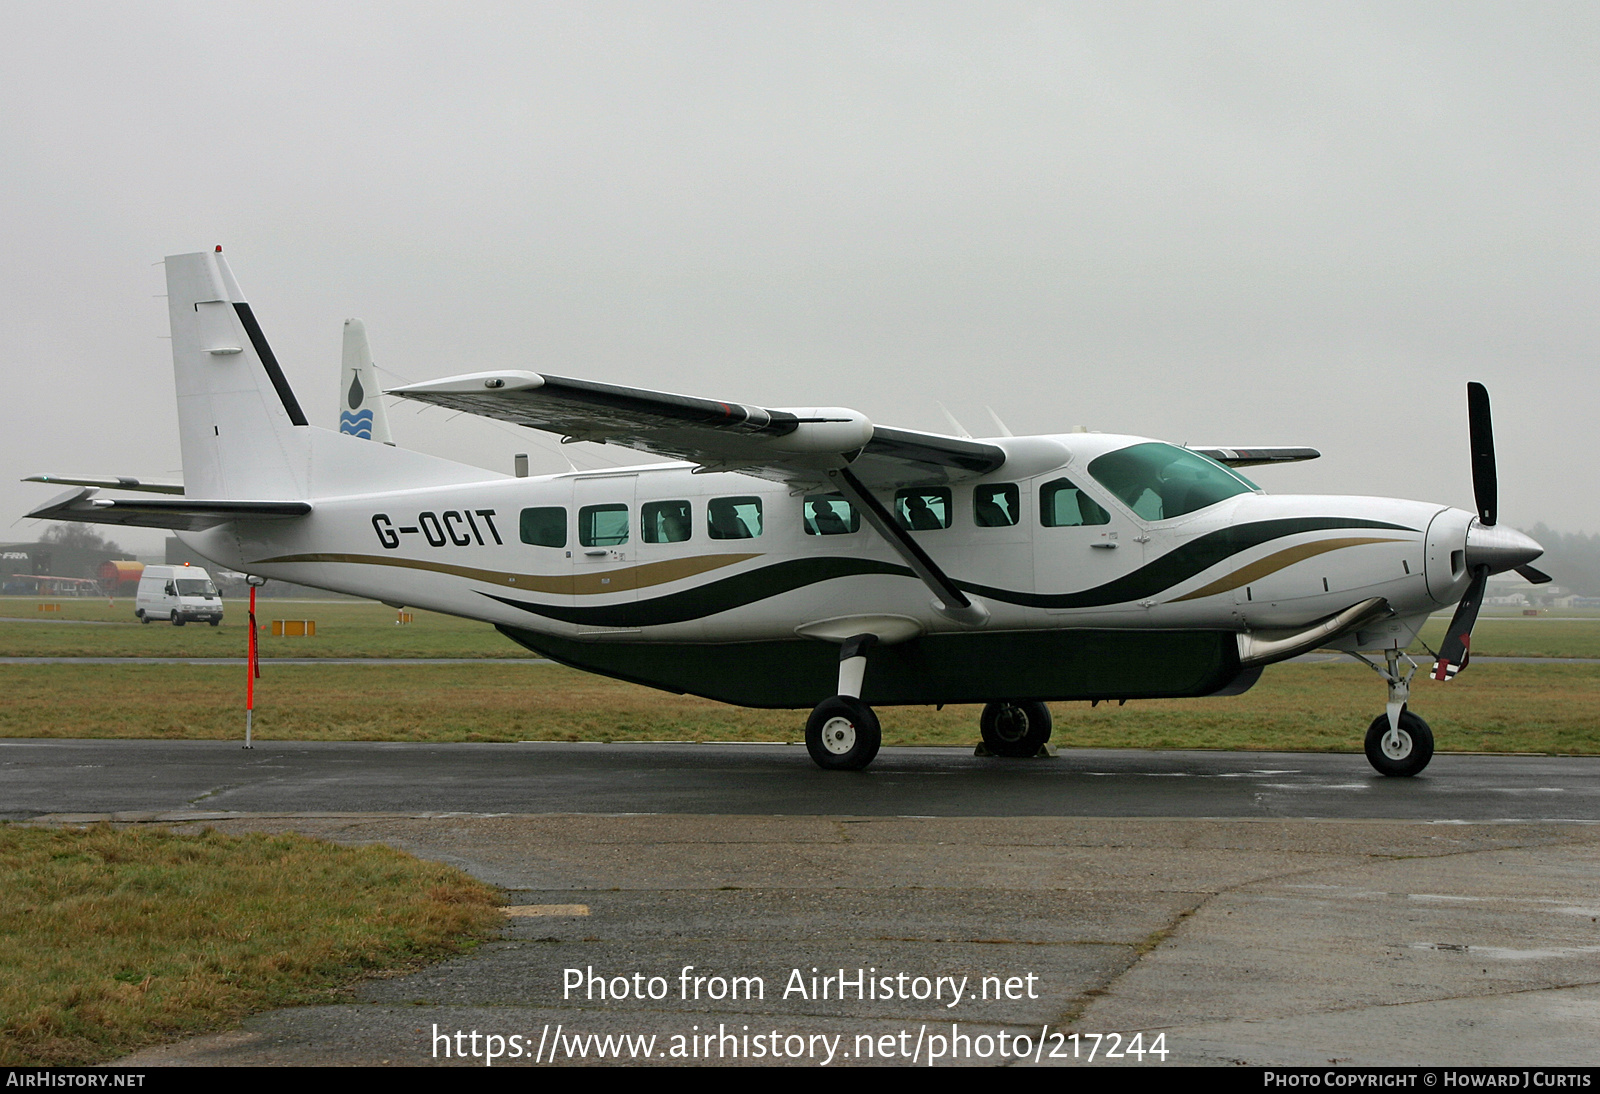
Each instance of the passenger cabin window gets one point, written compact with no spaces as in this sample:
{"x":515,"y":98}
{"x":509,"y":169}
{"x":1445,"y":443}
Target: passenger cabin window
{"x":664,"y":521}
{"x":1161,"y":481}
{"x":830,"y":515}
{"x":545,"y":526}
{"x":1063,"y":505}
{"x":733,"y":518}
{"x":996,"y":506}
{"x":926,"y":509}
{"x":603,"y":525}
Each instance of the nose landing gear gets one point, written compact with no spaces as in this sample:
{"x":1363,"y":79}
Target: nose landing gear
{"x":1398,"y":742}
{"x":1402,"y":750}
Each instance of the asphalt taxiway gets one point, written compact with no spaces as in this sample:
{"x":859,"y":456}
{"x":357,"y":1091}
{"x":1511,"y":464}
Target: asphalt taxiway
{"x":144,"y":779}
{"x":1264,"y":908}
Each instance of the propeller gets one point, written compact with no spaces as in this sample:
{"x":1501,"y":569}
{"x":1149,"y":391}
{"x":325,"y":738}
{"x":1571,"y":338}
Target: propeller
{"x":1489,"y":550}
{"x":1453,"y":650}
{"x":1485,"y":482}
{"x":1535,"y":576}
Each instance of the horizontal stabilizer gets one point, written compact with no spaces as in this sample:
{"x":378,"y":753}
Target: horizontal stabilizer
{"x":84,"y":506}
{"x":1254,"y":457}
{"x":795,"y":445}
{"x":121,"y":482}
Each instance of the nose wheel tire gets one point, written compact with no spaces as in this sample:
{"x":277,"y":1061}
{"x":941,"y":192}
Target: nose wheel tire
{"x":842,"y":734}
{"x":1015,"y":730}
{"x":1403,"y":751}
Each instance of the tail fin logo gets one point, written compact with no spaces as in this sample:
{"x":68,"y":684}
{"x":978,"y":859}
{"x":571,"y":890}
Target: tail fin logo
{"x":356,"y":425}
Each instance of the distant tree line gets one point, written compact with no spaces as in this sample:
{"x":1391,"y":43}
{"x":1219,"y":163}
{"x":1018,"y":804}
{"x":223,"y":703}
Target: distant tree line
{"x":83,"y":537}
{"x":1572,"y":559}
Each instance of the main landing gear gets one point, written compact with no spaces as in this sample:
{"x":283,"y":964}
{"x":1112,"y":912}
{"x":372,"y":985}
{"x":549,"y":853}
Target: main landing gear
{"x":1015,"y":730}
{"x":1398,"y":742}
{"x":843,"y":733}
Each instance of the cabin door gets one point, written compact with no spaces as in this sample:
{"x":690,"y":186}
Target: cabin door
{"x":1084,"y":549}
{"x":604,"y":562}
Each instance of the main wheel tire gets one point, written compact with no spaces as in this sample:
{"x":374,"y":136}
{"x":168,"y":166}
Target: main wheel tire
{"x":1406,"y":752}
{"x":1015,"y":730}
{"x":843,"y":734}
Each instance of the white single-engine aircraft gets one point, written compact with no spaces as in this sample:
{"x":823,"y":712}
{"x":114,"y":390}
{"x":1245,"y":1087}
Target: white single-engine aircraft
{"x":809,"y":558}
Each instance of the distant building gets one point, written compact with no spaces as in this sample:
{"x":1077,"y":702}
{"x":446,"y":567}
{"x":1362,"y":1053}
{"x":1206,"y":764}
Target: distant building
{"x":22,"y":565}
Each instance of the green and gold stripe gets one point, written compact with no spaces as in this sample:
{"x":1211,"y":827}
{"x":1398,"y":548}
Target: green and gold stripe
{"x":613,"y":579}
{"x":1279,"y":560}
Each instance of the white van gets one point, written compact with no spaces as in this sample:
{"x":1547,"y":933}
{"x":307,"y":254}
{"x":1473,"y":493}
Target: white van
{"x":178,"y":593}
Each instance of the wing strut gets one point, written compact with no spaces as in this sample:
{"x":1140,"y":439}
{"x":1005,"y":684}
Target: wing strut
{"x":953,"y":603}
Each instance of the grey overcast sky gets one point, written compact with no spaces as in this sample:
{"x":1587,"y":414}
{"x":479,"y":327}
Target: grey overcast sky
{"x":1281,"y":223}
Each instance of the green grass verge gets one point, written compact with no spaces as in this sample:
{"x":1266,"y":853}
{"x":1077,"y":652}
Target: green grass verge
{"x":1313,"y":707}
{"x":112,"y":940}
{"x":345,"y":628}
{"x":361,"y":628}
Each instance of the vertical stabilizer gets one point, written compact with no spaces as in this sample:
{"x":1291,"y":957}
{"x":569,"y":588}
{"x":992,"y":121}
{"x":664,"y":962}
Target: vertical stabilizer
{"x":242,"y":430}
{"x":361,"y":410}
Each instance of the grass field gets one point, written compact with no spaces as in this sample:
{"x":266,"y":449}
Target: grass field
{"x":112,"y":940}
{"x":1321,"y":707}
{"x":345,"y":628}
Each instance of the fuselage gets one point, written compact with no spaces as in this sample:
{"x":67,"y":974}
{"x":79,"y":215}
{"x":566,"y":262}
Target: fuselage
{"x":660,"y":554}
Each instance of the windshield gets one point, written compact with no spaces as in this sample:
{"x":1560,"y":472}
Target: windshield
{"x":189,"y":586}
{"x":1161,"y":481}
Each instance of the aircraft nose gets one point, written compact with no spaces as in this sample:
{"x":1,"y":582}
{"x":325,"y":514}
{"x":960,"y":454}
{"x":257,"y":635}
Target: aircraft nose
{"x":1499,"y":548}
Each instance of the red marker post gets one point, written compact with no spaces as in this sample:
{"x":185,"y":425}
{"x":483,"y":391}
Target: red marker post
{"x":252,"y":668}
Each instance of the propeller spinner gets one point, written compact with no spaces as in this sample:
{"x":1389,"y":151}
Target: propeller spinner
{"x":1489,"y":549}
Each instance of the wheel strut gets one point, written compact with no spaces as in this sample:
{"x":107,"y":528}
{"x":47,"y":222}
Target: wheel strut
{"x":842,"y":733}
{"x":1398,"y":742}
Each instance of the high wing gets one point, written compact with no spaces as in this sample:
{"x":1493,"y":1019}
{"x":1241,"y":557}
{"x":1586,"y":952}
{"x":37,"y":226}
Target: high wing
{"x":794,"y":445}
{"x":1254,"y":457}
{"x":121,"y":482}
{"x":83,"y":506}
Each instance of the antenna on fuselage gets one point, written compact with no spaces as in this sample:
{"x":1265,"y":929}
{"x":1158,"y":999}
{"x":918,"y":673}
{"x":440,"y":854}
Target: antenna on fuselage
{"x":961,"y":430}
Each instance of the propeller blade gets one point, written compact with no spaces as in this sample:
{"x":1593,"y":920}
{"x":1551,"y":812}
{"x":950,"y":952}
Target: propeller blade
{"x":1485,"y":484}
{"x":1453,"y":650}
{"x":1537,"y":577}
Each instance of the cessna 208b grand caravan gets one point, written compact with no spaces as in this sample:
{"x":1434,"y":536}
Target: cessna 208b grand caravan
{"x":810,"y":558}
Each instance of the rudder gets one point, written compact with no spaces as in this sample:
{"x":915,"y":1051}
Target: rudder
{"x":241,"y":428}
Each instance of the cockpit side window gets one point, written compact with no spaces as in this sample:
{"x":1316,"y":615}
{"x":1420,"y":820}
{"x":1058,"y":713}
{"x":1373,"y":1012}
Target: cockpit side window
{"x":1063,"y":505}
{"x":1161,"y":481}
